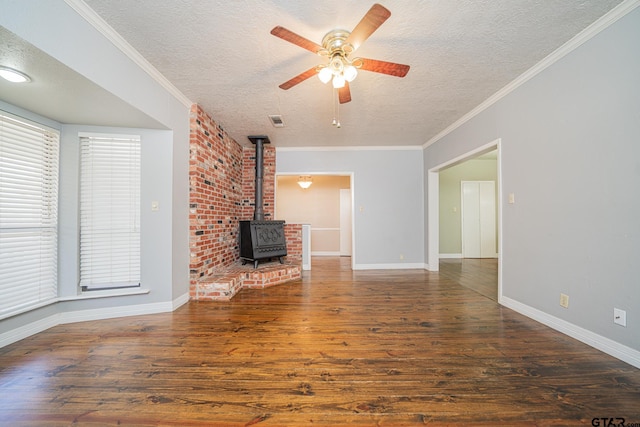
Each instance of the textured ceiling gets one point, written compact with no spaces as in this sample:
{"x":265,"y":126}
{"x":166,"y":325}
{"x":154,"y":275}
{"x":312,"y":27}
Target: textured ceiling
{"x":221,"y":55}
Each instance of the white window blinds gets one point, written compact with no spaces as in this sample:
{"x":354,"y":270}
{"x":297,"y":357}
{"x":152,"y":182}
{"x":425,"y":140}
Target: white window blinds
{"x":28,"y":215}
{"x":109,"y":212}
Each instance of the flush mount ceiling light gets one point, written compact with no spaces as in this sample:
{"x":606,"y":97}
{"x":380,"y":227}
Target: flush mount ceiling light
{"x":336,"y":46}
{"x":305,"y":182}
{"x":14,"y":76}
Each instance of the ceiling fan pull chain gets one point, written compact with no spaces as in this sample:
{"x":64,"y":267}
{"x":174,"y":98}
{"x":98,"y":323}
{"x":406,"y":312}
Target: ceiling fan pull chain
{"x":336,"y":107}
{"x":333,"y":94}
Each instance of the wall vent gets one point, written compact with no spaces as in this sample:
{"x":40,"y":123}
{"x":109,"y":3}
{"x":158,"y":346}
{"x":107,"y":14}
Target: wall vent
{"x":276,"y":121}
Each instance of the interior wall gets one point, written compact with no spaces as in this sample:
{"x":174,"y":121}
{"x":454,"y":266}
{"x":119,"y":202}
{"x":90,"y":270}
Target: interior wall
{"x":388,"y":194}
{"x":318,"y":206}
{"x":570,"y":156}
{"x":485,"y":169}
{"x":55,"y":28}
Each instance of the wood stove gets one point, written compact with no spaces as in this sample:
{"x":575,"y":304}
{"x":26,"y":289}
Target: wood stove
{"x":261,"y":239}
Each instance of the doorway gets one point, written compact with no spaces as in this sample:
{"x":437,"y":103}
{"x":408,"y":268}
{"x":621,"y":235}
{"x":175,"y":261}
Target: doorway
{"x":434,"y":212}
{"x":326,"y":206}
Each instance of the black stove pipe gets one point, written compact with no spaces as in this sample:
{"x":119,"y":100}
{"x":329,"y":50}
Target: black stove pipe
{"x":259,"y":141}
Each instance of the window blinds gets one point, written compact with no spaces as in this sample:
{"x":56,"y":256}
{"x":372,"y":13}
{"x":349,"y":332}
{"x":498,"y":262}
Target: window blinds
{"x":28,"y":214}
{"x":109,"y":212}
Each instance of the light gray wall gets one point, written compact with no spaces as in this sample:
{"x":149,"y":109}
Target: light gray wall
{"x":387,"y":190}
{"x":52,"y":26}
{"x":155,"y":185}
{"x":571,"y":155}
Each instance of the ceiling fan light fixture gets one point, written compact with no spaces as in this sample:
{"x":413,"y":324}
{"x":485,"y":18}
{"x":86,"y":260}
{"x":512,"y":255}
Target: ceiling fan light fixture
{"x":325,"y":75}
{"x":350,"y":72}
{"x":338,"y":81}
{"x":337,"y":64}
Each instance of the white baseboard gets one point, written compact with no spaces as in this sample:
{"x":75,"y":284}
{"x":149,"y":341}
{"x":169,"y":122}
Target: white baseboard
{"x":26,"y":331}
{"x":459,"y":256}
{"x":400,"y":266}
{"x":86,"y":315}
{"x":114,"y":312}
{"x":180,"y":301}
{"x":450,"y":256}
{"x":325,"y":253}
{"x":606,"y":345}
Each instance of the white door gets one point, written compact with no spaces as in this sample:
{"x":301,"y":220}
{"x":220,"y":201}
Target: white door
{"x":478,"y":219}
{"x":345,"y":222}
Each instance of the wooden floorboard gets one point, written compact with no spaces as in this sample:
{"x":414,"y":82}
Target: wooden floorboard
{"x":338,"y":347}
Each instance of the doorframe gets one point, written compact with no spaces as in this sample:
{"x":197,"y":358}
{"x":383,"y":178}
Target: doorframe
{"x":351,"y":176}
{"x":433,"y":206}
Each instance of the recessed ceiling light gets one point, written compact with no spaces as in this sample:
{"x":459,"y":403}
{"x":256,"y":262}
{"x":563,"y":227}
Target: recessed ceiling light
{"x":13,"y":76}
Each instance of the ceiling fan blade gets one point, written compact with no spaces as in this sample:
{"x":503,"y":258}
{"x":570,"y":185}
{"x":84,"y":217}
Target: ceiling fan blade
{"x":299,"y":78}
{"x":344,"y":93}
{"x":369,"y":23}
{"x":390,"y":68}
{"x":292,"y":37}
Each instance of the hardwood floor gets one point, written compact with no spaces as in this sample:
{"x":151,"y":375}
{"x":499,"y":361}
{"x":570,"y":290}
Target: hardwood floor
{"x":335,"y":348}
{"x":479,"y":274}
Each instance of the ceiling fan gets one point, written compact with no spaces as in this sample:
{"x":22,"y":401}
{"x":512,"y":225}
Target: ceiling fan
{"x":337,"y":46}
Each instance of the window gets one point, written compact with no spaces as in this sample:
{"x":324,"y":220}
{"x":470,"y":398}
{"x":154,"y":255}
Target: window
{"x":109,"y":212}
{"x":28,"y":215}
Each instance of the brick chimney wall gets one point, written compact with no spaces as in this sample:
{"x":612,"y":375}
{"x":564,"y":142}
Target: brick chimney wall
{"x":215,"y":195}
{"x":222,"y":192}
{"x":249,"y":177}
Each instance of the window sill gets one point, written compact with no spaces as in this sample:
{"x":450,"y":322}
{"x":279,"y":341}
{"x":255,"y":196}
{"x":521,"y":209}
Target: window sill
{"x":108,"y":293}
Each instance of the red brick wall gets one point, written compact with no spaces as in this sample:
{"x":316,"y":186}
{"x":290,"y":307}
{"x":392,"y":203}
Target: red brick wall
{"x":293,"y":234}
{"x":215,"y":195}
{"x":222,"y":192}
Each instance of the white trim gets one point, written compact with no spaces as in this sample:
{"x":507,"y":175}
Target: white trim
{"x":450,"y":256}
{"x":606,"y":345}
{"x":591,"y":31}
{"x":325,"y":253}
{"x":180,"y":301}
{"x":433,"y":207}
{"x":136,"y":137}
{"x":433,"y":219}
{"x":115,"y":312}
{"x":118,"y":41}
{"x":27,"y":330}
{"x":353,"y":148}
{"x":107,"y":293}
{"x":405,"y":266}
{"x":41,"y":325}
{"x":352,"y":187}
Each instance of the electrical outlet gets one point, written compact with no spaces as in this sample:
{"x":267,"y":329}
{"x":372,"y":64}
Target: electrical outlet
{"x":401,"y":256}
{"x":620,"y":317}
{"x":564,"y":300}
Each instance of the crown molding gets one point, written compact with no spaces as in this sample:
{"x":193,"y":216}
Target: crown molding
{"x":588,"y":33}
{"x":118,"y":41}
{"x":353,"y":148}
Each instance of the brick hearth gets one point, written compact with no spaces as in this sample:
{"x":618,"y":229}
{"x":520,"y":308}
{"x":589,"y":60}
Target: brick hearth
{"x":222,"y":192}
{"x":225,"y":283}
